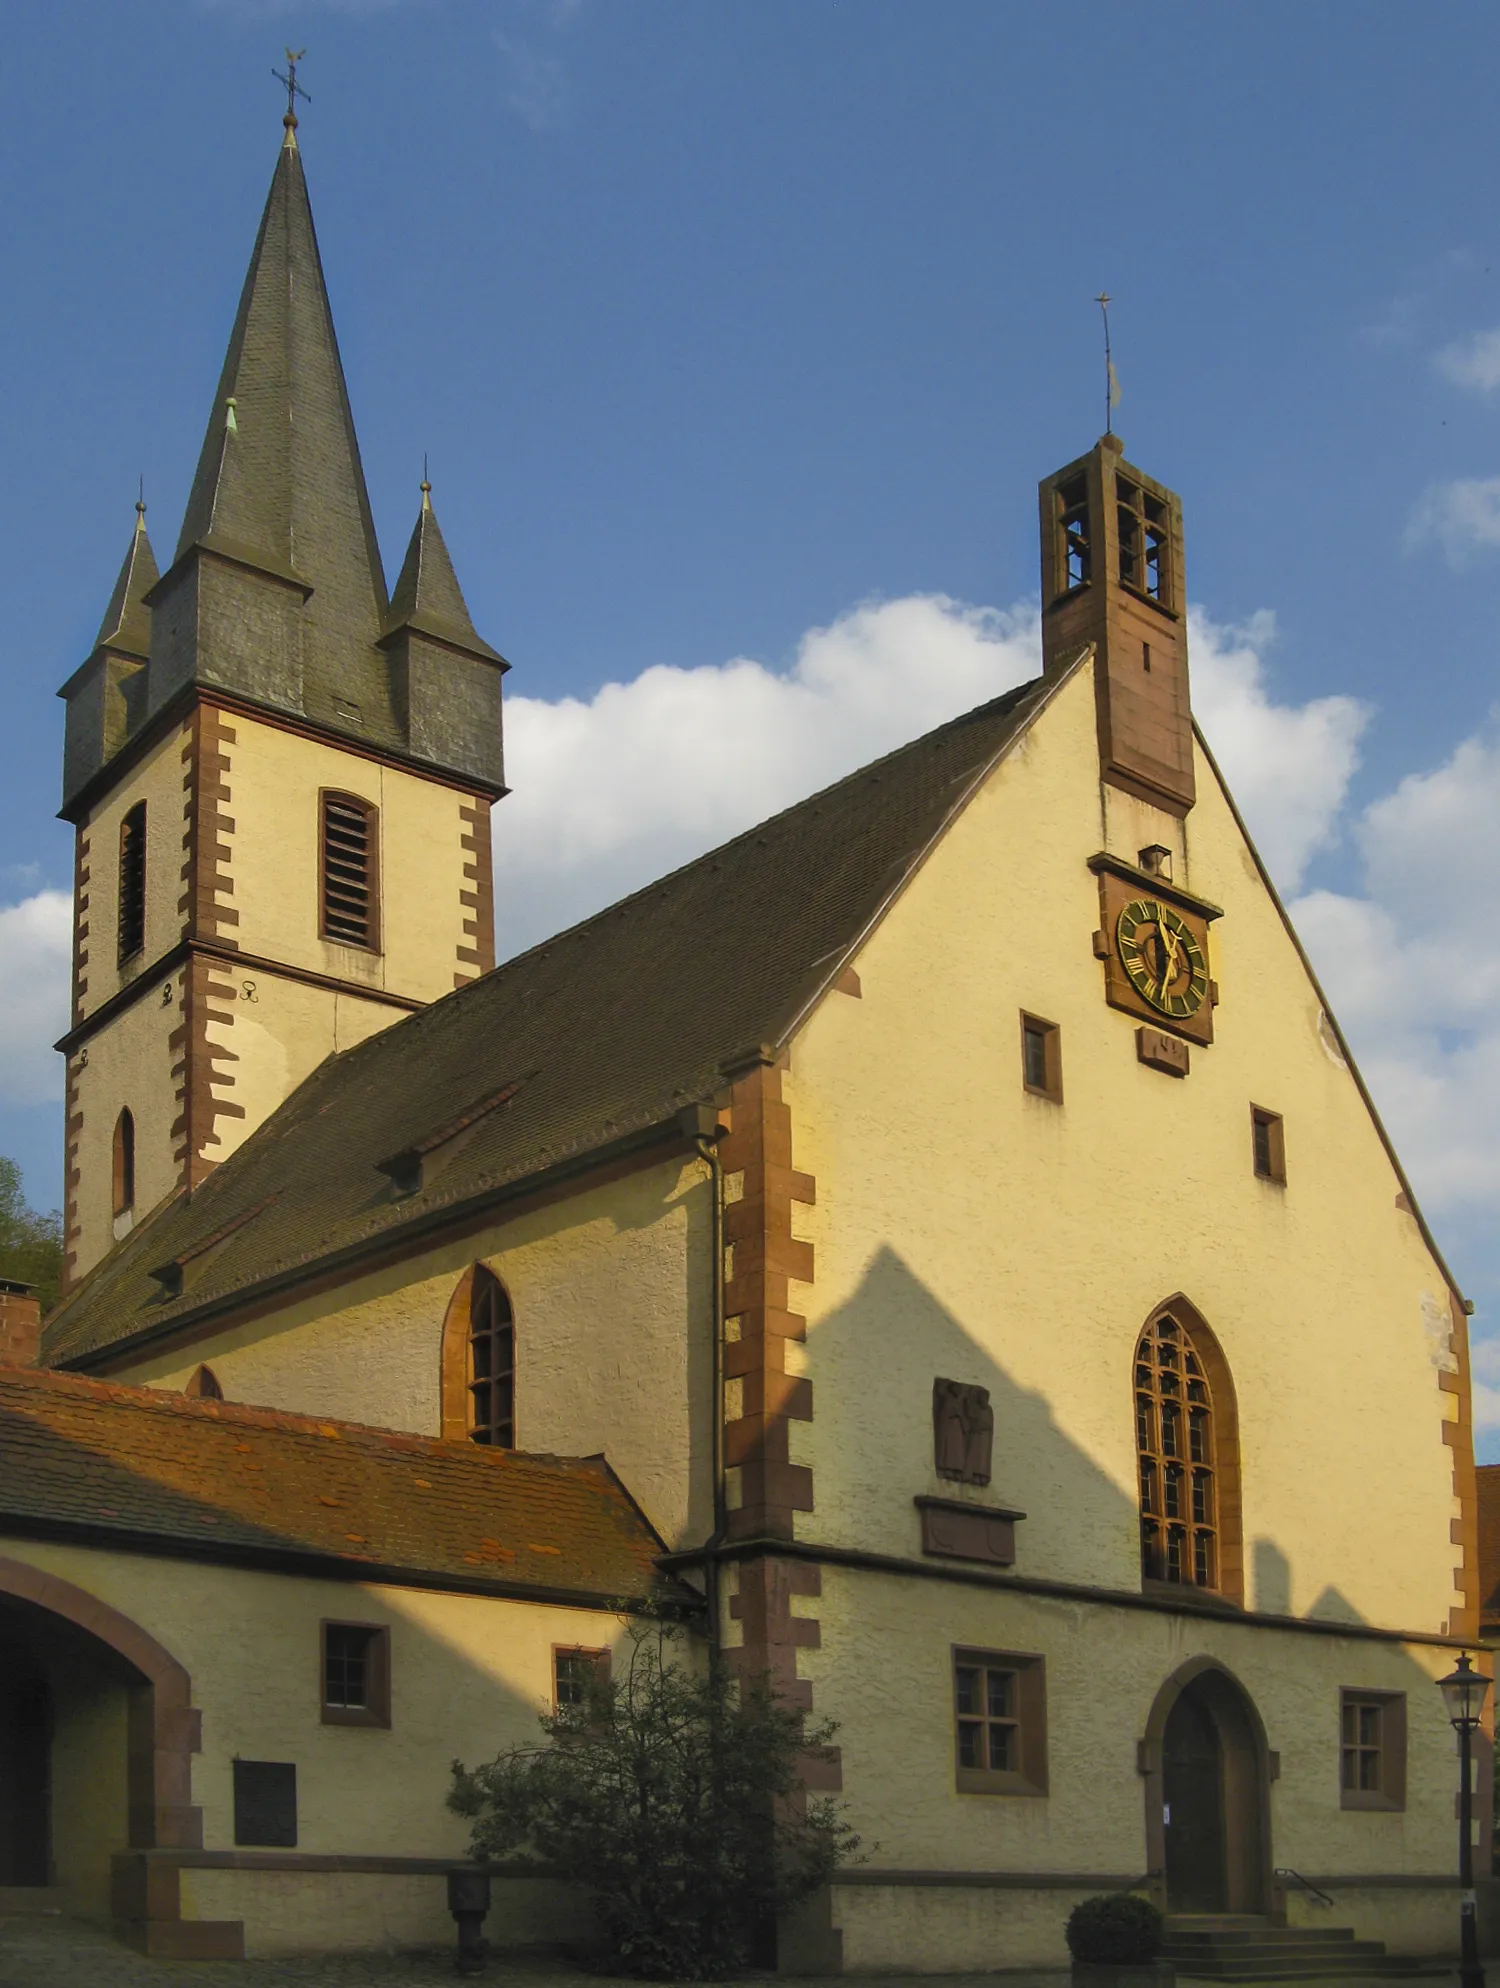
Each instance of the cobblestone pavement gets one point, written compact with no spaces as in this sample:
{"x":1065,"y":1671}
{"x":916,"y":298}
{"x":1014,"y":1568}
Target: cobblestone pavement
{"x":53,"y":1953}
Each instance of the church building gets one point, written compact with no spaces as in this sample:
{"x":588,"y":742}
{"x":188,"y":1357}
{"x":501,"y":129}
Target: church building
{"x":938,"y":1247}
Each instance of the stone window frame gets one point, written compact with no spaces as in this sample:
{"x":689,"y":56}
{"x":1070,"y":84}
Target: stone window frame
{"x":1047,"y":1038}
{"x":456,"y":1377}
{"x":130,"y":902}
{"x":1268,"y":1145}
{"x":1388,"y":1747}
{"x":598,"y":1660}
{"x":336,"y":797}
{"x":1028,"y":1721}
{"x":1228,"y":1517}
{"x":376,"y":1710}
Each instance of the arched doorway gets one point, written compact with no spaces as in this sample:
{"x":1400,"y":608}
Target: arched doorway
{"x":1208,"y":1809}
{"x":25,"y":1765}
{"x":97,"y":1729}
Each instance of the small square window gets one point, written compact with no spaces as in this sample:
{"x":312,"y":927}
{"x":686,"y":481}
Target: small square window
{"x":356,"y":1674}
{"x":1000,"y":1723}
{"x":265,"y":1804}
{"x":1372,"y":1749}
{"x":576,"y":1676}
{"x":1041,"y":1058}
{"x":1268,"y":1144}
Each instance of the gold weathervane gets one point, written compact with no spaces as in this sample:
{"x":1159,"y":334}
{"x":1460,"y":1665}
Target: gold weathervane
{"x":292,"y":87}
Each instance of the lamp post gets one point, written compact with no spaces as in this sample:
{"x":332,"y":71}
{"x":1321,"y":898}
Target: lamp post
{"x":1464,"y":1692}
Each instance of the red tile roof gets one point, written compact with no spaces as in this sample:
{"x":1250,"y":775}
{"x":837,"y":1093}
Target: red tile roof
{"x":150,"y":1471}
{"x":1488,"y":1476}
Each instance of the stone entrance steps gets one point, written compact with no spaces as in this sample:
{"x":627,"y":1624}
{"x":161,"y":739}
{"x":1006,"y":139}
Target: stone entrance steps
{"x":1234,"y":1949}
{"x":32,"y":1901}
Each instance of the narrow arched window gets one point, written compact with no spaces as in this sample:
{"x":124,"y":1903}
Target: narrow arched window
{"x":124,"y":1164}
{"x":131,"y":924}
{"x":492,"y":1362}
{"x":203,"y":1385}
{"x":348,"y":897}
{"x":1185,"y":1455}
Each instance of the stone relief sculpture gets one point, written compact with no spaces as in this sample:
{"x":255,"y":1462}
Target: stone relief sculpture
{"x":963,"y":1431}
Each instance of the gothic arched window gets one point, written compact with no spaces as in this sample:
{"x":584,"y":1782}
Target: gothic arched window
{"x":123,"y":1169}
{"x":1187,"y":1450}
{"x":492,"y":1362}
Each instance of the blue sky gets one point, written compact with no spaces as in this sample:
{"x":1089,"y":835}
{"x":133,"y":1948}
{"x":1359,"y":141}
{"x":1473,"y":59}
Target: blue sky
{"x":724,"y":325}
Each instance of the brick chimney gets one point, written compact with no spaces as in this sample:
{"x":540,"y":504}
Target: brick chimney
{"x":20,"y":1324}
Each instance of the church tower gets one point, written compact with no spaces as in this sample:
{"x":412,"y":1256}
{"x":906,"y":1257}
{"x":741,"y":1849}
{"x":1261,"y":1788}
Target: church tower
{"x":280,"y":778}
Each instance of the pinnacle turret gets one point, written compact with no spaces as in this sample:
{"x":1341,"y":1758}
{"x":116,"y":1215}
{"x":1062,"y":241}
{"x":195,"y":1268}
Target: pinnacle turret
{"x":126,"y":627}
{"x":428,"y":596}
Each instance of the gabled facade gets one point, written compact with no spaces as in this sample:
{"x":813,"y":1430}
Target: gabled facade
{"x":280,"y":779}
{"x":953,"y":1212}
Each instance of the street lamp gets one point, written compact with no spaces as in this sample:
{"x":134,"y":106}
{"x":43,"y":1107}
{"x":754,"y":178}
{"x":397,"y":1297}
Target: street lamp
{"x":1464,"y":1692}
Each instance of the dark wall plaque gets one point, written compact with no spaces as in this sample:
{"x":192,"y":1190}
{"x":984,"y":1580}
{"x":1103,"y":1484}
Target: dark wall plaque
{"x":957,"y":1531}
{"x":265,"y":1803}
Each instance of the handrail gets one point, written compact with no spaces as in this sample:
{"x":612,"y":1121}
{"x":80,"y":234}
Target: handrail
{"x":1282,"y":1871}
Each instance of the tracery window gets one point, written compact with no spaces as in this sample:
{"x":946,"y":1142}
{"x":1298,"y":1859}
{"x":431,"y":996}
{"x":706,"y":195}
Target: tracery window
{"x":492,"y":1362}
{"x":1177,"y":1444}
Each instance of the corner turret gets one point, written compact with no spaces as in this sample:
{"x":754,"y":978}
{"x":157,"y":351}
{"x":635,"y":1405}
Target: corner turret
{"x":106,"y":697}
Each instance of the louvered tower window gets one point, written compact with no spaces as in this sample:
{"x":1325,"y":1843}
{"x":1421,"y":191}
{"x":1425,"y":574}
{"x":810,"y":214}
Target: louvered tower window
{"x":1174,"y":1417}
{"x":349,"y":900}
{"x":132,"y":921}
{"x":492,"y":1363}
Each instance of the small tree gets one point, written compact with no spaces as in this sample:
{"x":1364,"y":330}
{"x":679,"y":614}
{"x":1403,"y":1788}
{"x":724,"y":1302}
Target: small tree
{"x":30,"y":1244}
{"x":672,"y":1795}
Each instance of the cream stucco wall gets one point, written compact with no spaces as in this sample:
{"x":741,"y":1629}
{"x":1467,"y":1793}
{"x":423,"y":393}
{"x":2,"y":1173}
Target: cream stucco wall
{"x":469,"y":1676}
{"x":128,"y":1064}
{"x":967,"y":1229}
{"x":612,"y":1297}
{"x":275,"y":778}
{"x":277,"y":1031}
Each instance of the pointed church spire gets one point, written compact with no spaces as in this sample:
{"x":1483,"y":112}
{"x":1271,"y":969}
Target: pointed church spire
{"x":126,"y":626}
{"x":428,"y":596}
{"x":279,"y":483}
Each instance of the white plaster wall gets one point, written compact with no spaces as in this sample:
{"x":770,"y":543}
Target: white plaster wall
{"x":966,"y":1229}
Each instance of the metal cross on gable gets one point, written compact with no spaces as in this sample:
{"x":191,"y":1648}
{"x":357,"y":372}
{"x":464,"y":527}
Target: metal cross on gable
{"x":290,"y":84}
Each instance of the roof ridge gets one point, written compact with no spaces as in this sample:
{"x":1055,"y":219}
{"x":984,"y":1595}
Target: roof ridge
{"x":129,"y":1394}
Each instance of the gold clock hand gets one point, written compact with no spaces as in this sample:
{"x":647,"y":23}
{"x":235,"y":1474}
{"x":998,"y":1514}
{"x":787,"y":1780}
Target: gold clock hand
{"x":1170,"y":949}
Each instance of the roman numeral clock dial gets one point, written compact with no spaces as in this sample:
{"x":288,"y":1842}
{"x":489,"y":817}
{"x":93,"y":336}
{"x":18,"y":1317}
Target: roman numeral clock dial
{"x":1162,"y":958}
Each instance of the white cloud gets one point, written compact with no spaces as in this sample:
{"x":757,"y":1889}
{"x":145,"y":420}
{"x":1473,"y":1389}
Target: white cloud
{"x":1412,"y":965}
{"x":644,"y":775}
{"x":36,"y":938}
{"x":1459,"y":516}
{"x":613,"y":791}
{"x":1288,"y":766}
{"x":1473,"y":361}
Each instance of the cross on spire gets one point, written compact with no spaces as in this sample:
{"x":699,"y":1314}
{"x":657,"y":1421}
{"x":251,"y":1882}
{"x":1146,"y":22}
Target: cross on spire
{"x":292,"y":87}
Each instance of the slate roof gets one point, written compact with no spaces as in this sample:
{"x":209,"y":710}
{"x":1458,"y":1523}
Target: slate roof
{"x":156,"y":1472}
{"x":593,"y":1038}
{"x":1487,"y":1476}
{"x":127,"y":620}
{"x":428,"y":596}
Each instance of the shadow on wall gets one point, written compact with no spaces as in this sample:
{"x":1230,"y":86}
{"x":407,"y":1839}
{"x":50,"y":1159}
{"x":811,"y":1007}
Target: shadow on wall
{"x":873,"y":1361}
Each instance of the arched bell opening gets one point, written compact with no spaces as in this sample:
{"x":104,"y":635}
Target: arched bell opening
{"x":1208,"y":1795}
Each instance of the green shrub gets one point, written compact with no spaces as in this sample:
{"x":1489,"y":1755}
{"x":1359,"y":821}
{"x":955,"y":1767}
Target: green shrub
{"x":672,"y":1796}
{"x":1117,"y":1929}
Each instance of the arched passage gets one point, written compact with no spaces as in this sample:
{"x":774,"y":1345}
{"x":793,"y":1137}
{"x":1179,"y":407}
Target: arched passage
{"x":44,"y":1618}
{"x":1208,"y":1794}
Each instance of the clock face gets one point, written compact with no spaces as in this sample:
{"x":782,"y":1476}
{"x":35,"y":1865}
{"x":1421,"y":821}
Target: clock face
{"x":1162,"y":958}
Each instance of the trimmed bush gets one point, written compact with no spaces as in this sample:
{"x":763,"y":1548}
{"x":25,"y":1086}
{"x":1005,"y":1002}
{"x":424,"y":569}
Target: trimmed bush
{"x":1116,"y":1929}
